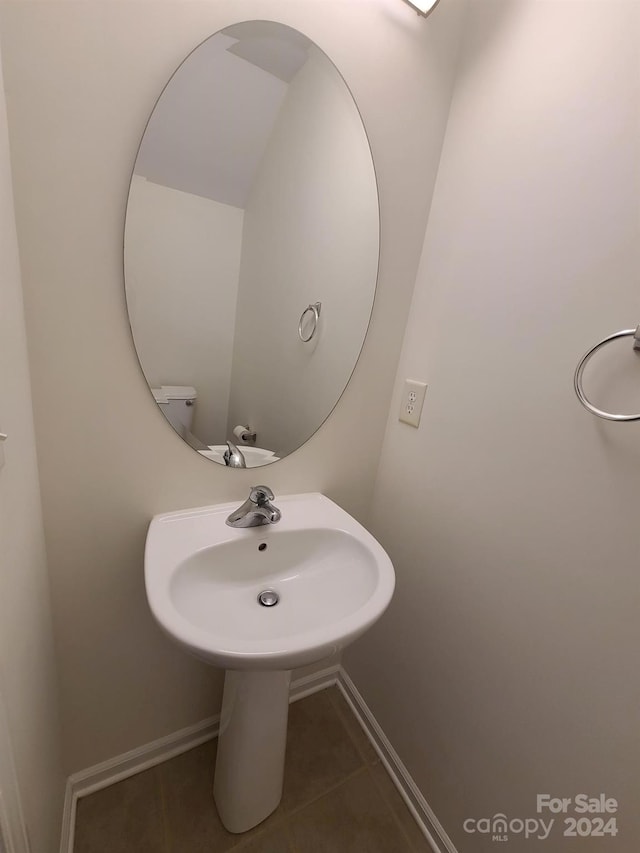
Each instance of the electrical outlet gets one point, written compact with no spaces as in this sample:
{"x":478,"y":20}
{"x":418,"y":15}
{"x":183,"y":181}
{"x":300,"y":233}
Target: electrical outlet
{"x":412,"y":402}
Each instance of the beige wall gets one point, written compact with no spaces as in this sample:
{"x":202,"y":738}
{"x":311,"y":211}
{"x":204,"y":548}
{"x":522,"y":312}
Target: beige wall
{"x":29,"y":723}
{"x":81,"y":80}
{"x":507,"y":664}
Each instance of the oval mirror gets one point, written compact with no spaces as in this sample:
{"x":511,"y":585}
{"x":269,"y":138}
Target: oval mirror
{"x":251,"y":243}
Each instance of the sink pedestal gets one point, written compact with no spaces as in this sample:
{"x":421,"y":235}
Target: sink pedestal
{"x":206,"y":583}
{"x":251,"y":747}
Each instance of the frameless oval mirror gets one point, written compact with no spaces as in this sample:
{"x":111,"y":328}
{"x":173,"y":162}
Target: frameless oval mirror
{"x":251,"y":243}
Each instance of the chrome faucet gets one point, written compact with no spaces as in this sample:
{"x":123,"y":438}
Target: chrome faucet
{"x":233,"y":456}
{"x":256,"y":510}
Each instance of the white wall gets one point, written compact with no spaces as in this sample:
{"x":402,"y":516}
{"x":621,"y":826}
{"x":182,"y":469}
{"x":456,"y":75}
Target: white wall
{"x":28,"y":701}
{"x":311,"y":230}
{"x":200,"y":139}
{"x":77,"y":106}
{"x":182,"y":260}
{"x":507,"y":664}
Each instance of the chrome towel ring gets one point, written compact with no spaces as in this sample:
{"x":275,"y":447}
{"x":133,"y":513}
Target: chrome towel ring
{"x":315,"y":310}
{"x":577,"y":379}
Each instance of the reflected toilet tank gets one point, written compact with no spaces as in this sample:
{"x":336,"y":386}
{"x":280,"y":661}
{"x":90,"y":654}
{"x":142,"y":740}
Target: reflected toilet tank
{"x":178,"y":404}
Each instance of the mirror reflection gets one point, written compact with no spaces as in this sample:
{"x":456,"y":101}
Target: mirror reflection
{"x":251,"y":244}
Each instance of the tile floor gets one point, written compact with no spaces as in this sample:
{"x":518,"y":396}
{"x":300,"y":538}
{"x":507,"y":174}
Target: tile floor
{"x":337,"y":798}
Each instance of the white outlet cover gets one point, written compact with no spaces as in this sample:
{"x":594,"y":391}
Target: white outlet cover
{"x":411,"y":403}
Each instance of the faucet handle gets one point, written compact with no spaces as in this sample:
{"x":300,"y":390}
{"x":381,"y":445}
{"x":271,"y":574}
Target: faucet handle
{"x":261,"y":495}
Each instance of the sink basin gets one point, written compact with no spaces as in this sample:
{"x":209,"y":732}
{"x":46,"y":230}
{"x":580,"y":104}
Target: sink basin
{"x":253,"y":456}
{"x":203,"y":579}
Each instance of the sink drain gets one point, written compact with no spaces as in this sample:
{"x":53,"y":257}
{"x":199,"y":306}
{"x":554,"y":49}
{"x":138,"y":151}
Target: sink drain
{"x":268,"y":598}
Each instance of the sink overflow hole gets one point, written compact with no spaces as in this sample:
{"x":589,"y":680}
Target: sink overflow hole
{"x":268,"y":598}
{"x":262,"y":546}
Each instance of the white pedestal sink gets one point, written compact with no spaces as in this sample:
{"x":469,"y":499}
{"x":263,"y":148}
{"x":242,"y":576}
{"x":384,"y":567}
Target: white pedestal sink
{"x":203,"y":578}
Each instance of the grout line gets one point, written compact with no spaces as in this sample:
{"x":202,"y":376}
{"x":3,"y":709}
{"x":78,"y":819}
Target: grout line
{"x":329,"y":790}
{"x":255,"y":836}
{"x":120,"y":767}
{"x":345,"y":716}
{"x":358,"y":744}
{"x":163,"y":808}
{"x":343,"y":726}
{"x":293,"y":847}
{"x":420,"y":809}
{"x":287,"y":814}
{"x":341,"y":717}
{"x":392,"y":810}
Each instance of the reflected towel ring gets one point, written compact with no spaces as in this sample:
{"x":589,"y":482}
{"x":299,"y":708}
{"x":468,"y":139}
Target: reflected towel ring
{"x":315,"y":309}
{"x":577,"y":379}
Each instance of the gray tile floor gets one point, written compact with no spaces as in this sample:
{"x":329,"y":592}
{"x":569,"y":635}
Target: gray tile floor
{"x":337,"y":798}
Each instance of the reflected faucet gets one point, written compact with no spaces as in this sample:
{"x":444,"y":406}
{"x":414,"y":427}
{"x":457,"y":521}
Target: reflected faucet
{"x":256,"y":510}
{"x":233,"y":456}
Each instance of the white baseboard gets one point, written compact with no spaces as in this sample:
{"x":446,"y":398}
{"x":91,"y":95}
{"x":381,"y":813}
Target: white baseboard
{"x":114,"y":770}
{"x":68,"y":819}
{"x":308,"y":684}
{"x":142,"y":758}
